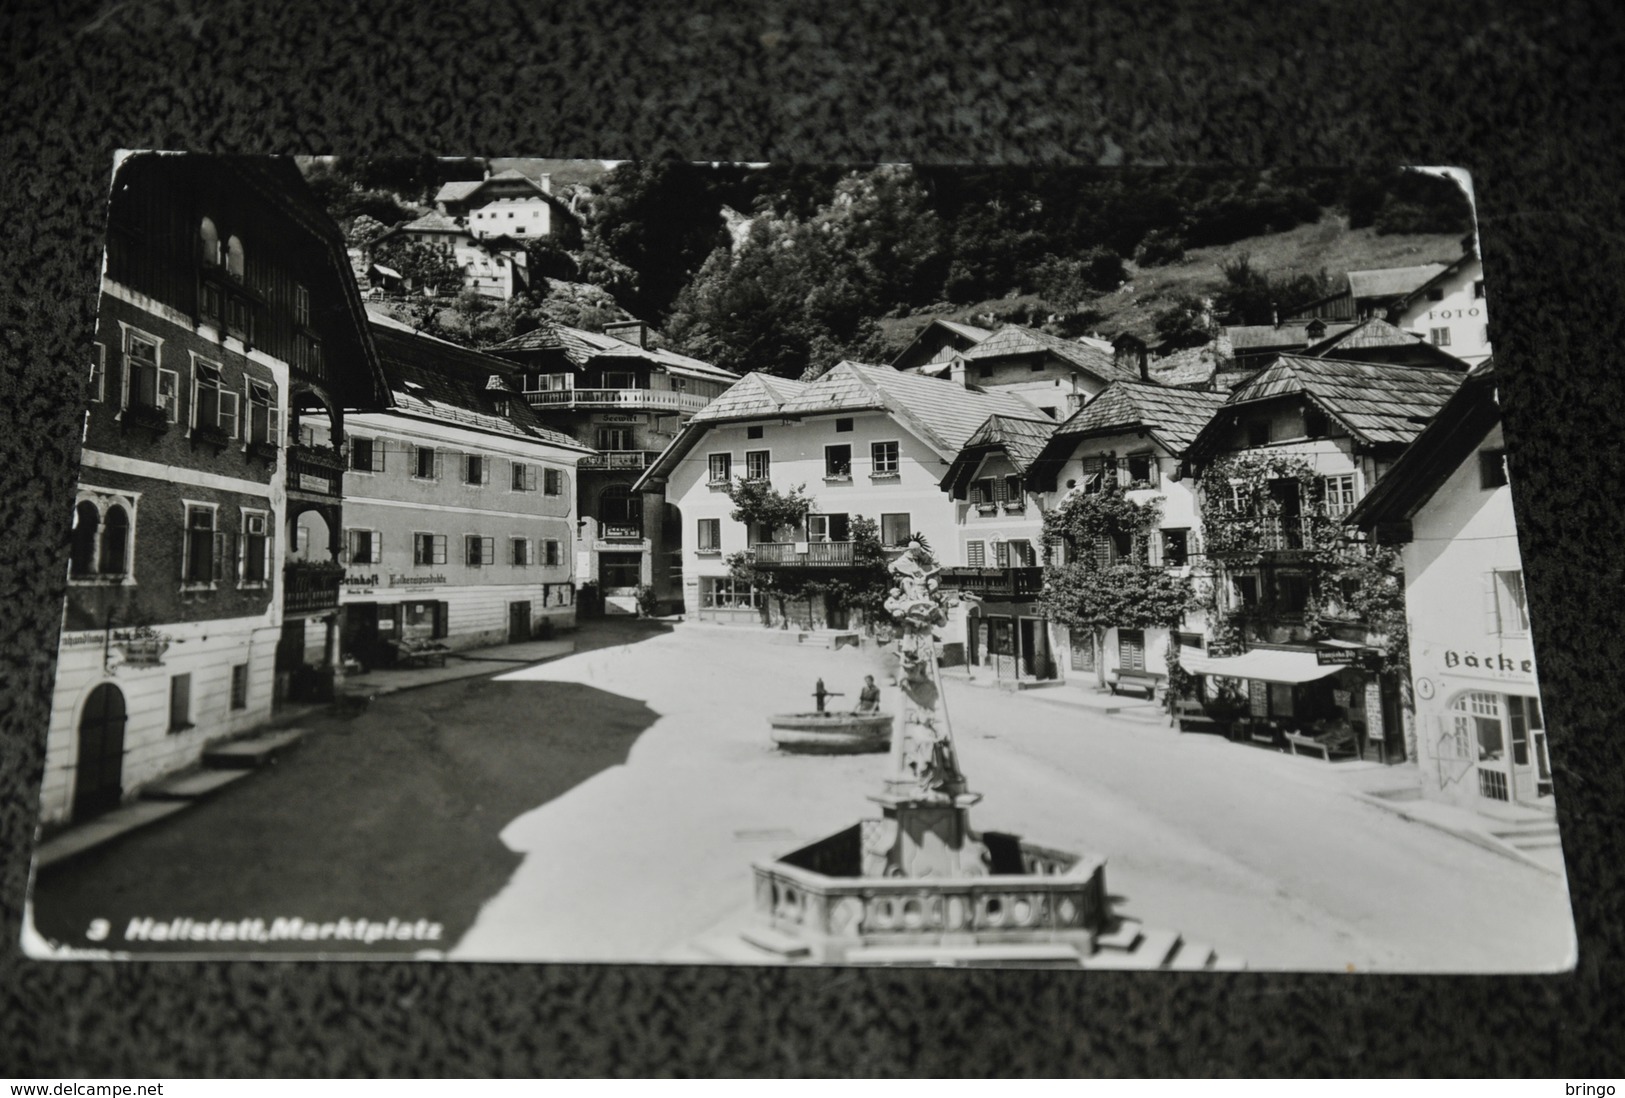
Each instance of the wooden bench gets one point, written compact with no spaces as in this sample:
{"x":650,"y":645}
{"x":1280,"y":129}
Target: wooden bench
{"x":1299,"y":743}
{"x":1146,"y":681}
{"x":421,"y":653}
{"x":1189,"y":712}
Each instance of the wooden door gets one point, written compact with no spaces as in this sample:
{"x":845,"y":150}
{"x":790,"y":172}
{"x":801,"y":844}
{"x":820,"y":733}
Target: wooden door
{"x":99,"y":771}
{"x":518,"y":622}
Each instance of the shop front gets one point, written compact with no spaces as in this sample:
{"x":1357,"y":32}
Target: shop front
{"x":1323,"y":698}
{"x":1484,"y":735}
{"x":1009,"y":642}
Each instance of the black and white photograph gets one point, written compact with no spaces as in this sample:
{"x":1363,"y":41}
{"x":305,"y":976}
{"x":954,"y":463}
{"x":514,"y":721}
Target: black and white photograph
{"x":519,"y":560}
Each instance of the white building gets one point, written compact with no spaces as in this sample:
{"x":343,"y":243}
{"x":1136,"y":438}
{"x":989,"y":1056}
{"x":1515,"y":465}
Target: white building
{"x":1446,"y":502}
{"x":1053,"y":375}
{"x":1449,"y":310}
{"x":864,"y":440}
{"x":492,"y":265}
{"x":506,"y":204}
{"x":463,"y":506}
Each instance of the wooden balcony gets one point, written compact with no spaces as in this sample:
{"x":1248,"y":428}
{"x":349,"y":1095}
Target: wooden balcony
{"x":806,"y":554}
{"x":664,"y":400}
{"x":619,"y":459}
{"x":1023,"y":582}
{"x":310,"y":587}
{"x":315,"y":471}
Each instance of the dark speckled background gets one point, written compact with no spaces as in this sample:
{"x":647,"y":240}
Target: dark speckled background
{"x":1526,"y":95}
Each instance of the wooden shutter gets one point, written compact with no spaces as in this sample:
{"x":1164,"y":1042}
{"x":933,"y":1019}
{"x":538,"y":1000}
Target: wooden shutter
{"x":218,"y":560}
{"x":485,"y":469}
{"x":488,"y":550}
{"x":530,"y":478}
{"x":1492,"y":606}
{"x":377,"y":542}
{"x":439,"y":551}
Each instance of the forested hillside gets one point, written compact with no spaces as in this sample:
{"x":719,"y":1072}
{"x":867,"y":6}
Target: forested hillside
{"x":790,"y":269}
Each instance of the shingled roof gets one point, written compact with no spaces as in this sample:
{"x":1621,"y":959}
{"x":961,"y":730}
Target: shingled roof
{"x":581,"y":346}
{"x":941,"y":414}
{"x":1391,"y":281}
{"x":1375,"y":402}
{"x":1020,"y":440}
{"x":432,"y":379}
{"x":1012,"y":340}
{"x":1287,"y":335}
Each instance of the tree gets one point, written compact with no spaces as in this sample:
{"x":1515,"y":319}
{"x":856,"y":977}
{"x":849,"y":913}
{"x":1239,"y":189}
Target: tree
{"x":1107,"y":582}
{"x":659,"y":219}
{"x":426,"y":266}
{"x":758,"y":503}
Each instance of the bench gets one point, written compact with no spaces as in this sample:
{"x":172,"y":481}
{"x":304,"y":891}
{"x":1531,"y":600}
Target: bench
{"x":1148,"y":681}
{"x":1191,"y":712}
{"x":421,"y":653}
{"x":1299,"y":743}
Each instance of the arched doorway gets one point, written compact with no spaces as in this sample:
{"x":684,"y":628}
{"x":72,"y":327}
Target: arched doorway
{"x":99,"y":771}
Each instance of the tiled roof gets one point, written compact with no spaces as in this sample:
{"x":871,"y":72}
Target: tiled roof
{"x":1375,"y":332}
{"x":1022,"y":439}
{"x":1012,"y":339}
{"x":754,"y":395}
{"x":457,"y":189}
{"x":1287,"y":334}
{"x":582,"y":346}
{"x":1376,"y":402}
{"x":440,"y":380}
{"x":1173,"y":416}
{"x":1391,"y":281}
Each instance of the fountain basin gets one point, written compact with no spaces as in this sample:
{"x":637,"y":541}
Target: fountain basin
{"x":832,"y":733}
{"x":1037,"y":905}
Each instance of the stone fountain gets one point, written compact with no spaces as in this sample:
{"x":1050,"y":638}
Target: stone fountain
{"x":825,"y":732}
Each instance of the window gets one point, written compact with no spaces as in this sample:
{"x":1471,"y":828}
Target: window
{"x":828,"y":528}
{"x":239,"y":686}
{"x":524,"y":477}
{"x":552,"y":482}
{"x":476,"y":469}
{"x":254,"y":548}
{"x":710,"y":536}
{"x":146,"y":385}
{"x":975,"y":554}
{"x":1131,"y":649}
{"x":843,"y":425}
{"x":721,"y":468}
{"x":753,"y":432}
{"x":427,"y":462}
{"x":1022,"y":554}
{"x":884,"y":456}
{"x":616,"y":438}
{"x":366,"y":546}
{"x":1189,"y":640}
{"x":98,"y":372}
{"x":1291,"y":593}
{"x":757,"y":463}
{"x":1492,"y":468}
{"x":82,"y":549}
{"x":1507,"y":609}
{"x":896,"y":529}
{"x":551,"y":553}
{"x":213,"y":406}
{"x":1478,"y":290}
{"x":1001,"y":554}
{"x":1439,"y":337}
{"x":726,"y":593}
{"x":1476,"y":720}
{"x":200,"y":562}
{"x":983,"y":491}
{"x":619,"y":379}
{"x":209,"y":243}
{"x":301,"y":304}
{"x":479,"y":551}
{"x":264,"y":418}
{"x":1436,"y":294}
{"x":180,"y":702}
{"x":1176,"y":548}
{"x":1315,"y":423}
{"x":1246,"y":591}
{"x":235,"y":262}
{"x":1337,"y":493}
{"x":519,"y":551}
{"x":1014,"y":498}
{"x":428,"y":549}
{"x":1049,"y":411}
{"x":837,"y":461}
{"x":366,"y":455}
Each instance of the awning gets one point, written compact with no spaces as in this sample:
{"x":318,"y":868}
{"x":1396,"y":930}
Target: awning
{"x":1264,"y":664}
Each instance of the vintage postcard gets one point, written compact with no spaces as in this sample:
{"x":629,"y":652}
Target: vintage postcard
{"x":529,"y":560}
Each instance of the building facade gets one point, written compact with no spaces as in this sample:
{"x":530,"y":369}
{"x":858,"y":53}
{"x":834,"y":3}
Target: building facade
{"x":227,"y":311}
{"x":461,"y":507}
{"x":1448,"y":505}
{"x":1450,"y":311}
{"x":617,"y":394}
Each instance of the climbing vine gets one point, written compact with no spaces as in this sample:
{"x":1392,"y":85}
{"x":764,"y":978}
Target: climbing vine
{"x":1240,"y":504}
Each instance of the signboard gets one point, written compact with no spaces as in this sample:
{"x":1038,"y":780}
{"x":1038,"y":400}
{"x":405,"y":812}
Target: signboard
{"x":618,"y":417}
{"x":1337,"y":657}
{"x":1373,"y":712}
{"x":312,"y":483}
{"x":629,"y":533}
{"x":1258,"y":697}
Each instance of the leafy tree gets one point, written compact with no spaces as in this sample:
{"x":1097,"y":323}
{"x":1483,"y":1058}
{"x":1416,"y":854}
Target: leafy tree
{"x":659,"y":219}
{"x":757,"y":502}
{"x":1159,"y":248}
{"x":364,"y":230}
{"x":547,"y":258}
{"x":1186,"y":323}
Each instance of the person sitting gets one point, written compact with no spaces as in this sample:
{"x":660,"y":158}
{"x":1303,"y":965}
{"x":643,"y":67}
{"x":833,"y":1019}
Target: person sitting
{"x":869,"y":696}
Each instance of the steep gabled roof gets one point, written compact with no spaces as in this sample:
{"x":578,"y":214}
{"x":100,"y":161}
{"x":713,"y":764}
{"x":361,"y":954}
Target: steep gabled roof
{"x":941,"y":414}
{"x":1020,"y":440}
{"x":430,"y":378}
{"x":1171,"y":417}
{"x":1391,"y":281}
{"x":1012,"y":340}
{"x":1435,"y":455}
{"x":1377,"y":403}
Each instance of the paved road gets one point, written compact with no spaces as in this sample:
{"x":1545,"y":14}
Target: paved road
{"x":1263,"y":855}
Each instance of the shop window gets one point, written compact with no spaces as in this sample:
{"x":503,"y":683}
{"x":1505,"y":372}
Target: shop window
{"x":366,"y":546}
{"x":885,"y":458}
{"x":1492,"y":468}
{"x":721,"y":468}
{"x":837,"y":462}
{"x":239,"y":686}
{"x":428,"y":549}
{"x":895,"y":529}
{"x":1131,"y":649}
{"x":726,"y":593}
{"x":180,"y":702}
{"x":757,"y":463}
{"x":1475,"y":718}
{"x":710,"y":536}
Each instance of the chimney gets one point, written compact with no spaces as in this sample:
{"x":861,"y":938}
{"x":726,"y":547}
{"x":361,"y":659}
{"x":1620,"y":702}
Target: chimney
{"x":635,"y":332}
{"x":1128,"y":349}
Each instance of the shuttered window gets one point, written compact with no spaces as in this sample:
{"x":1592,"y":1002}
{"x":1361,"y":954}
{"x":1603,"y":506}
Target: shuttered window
{"x":1131,"y":649}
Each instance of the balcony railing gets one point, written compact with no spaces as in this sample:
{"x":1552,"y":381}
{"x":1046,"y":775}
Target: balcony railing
{"x":806,"y":554}
{"x":317,"y":470}
{"x":1025,"y":581}
{"x":619,"y":459}
{"x":660,"y":399}
{"x":310,"y":586}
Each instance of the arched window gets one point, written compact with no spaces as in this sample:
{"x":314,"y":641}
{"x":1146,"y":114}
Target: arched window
{"x":209,"y":243}
{"x":82,"y":553}
{"x":234,"y":257}
{"x":115,"y":542}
